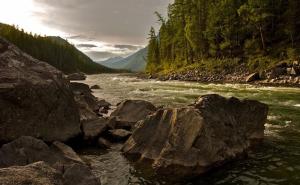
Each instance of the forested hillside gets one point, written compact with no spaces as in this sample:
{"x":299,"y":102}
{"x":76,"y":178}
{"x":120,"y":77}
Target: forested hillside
{"x":256,"y":32}
{"x":53,"y":50}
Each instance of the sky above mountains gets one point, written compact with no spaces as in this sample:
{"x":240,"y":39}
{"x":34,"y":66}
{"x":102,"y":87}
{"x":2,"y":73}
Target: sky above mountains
{"x":100,"y":28}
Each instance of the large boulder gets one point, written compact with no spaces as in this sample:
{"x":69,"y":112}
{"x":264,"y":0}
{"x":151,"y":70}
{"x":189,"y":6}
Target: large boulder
{"x":38,"y":173}
{"x":35,"y":99}
{"x":184,"y":142}
{"x":131,"y":111}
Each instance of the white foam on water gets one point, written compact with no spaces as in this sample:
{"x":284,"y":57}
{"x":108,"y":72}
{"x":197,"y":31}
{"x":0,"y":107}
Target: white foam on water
{"x":297,"y":105}
{"x":273,"y":118}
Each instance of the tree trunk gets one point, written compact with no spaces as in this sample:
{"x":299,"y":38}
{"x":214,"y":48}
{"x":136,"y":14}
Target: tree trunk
{"x":262,"y":38}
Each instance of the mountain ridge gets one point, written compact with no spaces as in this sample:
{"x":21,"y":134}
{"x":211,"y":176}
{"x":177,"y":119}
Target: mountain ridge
{"x":135,"y":62}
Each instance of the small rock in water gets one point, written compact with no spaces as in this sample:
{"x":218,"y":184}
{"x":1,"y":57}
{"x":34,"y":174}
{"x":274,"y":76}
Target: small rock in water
{"x":95,"y":87}
{"x":132,"y":111}
{"x":119,"y":134}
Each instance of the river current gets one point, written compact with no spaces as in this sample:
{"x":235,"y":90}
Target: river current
{"x":275,"y":162}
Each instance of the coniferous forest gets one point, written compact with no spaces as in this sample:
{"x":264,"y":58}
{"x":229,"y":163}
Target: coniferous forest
{"x":258,"y":33}
{"x":53,"y":50}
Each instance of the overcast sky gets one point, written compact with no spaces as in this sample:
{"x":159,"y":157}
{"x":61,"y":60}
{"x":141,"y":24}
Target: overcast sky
{"x":100,"y":28}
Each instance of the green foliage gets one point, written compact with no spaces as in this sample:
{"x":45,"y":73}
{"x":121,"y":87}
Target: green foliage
{"x":217,"y":30}
{"x":53,"y":50}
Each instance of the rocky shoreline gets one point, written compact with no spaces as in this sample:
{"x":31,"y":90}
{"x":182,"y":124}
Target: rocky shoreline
{"x":43,"y":115}
{"x":283,"y":74}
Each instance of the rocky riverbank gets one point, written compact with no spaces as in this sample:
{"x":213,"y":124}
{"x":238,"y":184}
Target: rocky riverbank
{"x":283,"y":74}
{"x":43,"y":115}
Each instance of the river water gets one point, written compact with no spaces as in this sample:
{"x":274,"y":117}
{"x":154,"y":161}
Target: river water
{"x":275,"y":162}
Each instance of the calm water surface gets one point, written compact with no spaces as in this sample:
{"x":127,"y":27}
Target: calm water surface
{"x":275,"y":162}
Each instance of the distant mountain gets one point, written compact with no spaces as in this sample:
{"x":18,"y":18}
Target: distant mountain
{"x":113,"y":63}
{"x":135,"y":62}
{"x":53,"y":50}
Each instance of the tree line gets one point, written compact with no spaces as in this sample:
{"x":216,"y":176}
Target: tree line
{"x":53,"y":50}
{"x":197,"y":30}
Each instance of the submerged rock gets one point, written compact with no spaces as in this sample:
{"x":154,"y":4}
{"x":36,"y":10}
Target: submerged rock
{"x":95,"y":87}
{"x":132,"y":111}
{"x":185,"y":142}
{"x":77,"y":77}
{"x":35,"y":99}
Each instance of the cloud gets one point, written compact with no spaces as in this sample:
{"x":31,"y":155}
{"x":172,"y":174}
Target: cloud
{"x":86,"y":46}
{"x":128,"y":47}
{"x":111,"y":21}
{"x":103,"y":55}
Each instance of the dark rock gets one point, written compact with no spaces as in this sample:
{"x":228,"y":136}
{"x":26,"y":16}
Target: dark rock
{"x":66,"y":152}
{"x":35,"y":99}
{"x":80,"y":88}
{"x":77,"y":77}
{"x":132,"y":111}
{"x":86,"y":101}
{"x":187,"y":142}
{"x":103,"y":103}
{"x":282,"y":65}
{"x":253,"y":77}
{"x":95,"y":87}
{"x":104,"y":107}
{"x":276,"y":72}
{"x":79,"y":174}
{"x":93,"y":129}
{"x":27,"y":150}
{"x":38,"y":173}
{"x":119,"y":134}
{"x":3,"y":45}
{"x":103,"y":143}
{"x":116,"y":123}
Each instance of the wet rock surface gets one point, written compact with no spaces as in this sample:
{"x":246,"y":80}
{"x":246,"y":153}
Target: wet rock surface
{"x":190,"y":141}
{"x":131,"y":111}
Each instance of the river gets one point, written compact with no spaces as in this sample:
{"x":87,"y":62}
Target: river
{"x":275,"y":162}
